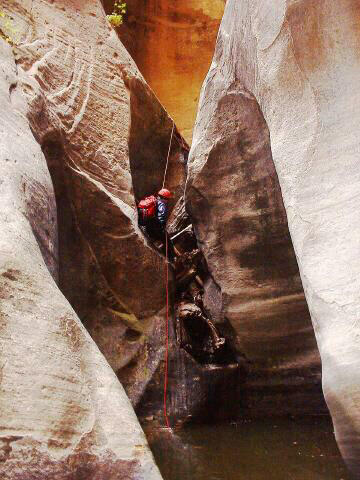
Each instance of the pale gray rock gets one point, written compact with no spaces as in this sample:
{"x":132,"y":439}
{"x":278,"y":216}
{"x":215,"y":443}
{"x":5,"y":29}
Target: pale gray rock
{"x":299,"y":63}
{"x":105,"y":137}
{"x":234,"y":198}
{"x":63,"y":412}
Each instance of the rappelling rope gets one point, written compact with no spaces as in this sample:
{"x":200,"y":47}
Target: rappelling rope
{"x":166,"y":334}
{"x":168,"y":155}
{"x":167,"y":298}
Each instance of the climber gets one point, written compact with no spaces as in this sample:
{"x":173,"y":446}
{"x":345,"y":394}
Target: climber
{"x":162,"y":200}
{"x":153,"y":214}
{"x":162,"y":212}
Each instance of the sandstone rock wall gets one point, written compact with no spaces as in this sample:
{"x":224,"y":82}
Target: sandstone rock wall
{"x":172,"y":42}
{"x":234,"y":198}
{"x":296,"y":63}
{"x":64,"y":414}
{"x":105,"y":137}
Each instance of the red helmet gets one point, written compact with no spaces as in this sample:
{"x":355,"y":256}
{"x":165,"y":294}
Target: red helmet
{"x":165,"y":193}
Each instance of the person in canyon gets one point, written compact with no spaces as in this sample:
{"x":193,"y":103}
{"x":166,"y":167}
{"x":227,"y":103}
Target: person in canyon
{"x":153,"y":214}
{"x":162,"y":204}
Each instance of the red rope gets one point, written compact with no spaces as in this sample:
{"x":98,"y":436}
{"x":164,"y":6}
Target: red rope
{"x":167,"y":332}
{"x":167,"y":292}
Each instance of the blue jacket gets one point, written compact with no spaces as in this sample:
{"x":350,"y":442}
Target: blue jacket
{"x":162,"y":211}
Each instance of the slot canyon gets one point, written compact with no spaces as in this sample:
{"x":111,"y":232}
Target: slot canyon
{"x":236,"y":325}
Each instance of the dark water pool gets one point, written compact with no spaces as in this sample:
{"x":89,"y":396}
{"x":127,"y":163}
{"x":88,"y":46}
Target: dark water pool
{"x":281,"y":449}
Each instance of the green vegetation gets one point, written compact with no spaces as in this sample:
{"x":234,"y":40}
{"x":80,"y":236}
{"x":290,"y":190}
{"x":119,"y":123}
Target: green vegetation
{"x":117,"y":16}
{"x":7,"y":29}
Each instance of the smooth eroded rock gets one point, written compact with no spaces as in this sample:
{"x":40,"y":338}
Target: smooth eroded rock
{"x":63,"y":412}
{"x":105,"y":137}
{"x":234,"y":198}
{"x":300,"y":62}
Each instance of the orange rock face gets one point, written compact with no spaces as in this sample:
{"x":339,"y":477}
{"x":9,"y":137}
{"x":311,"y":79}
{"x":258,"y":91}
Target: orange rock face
{"x":172,"y":43}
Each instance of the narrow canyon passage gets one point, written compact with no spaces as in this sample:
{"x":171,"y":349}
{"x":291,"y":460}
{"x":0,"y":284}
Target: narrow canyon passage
{"x":272,"y":367}
{"x":238,"y":334}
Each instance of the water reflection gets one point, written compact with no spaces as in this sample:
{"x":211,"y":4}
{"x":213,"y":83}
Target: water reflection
{"x":281,"y":449}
